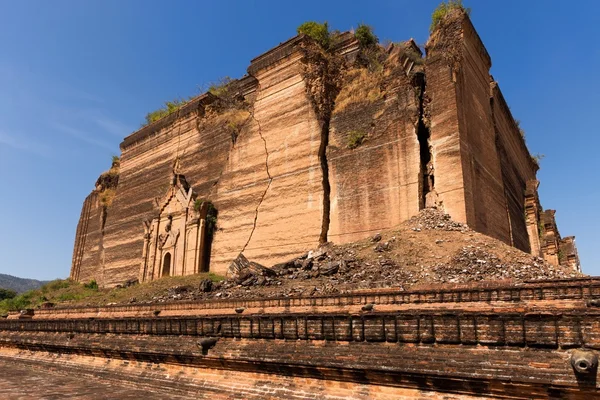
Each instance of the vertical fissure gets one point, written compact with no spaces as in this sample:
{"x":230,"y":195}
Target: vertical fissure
{"x":253,"y":116}
{"x":427,"y":193}
{"x":322,"y":76}
{"x":325,"y":221}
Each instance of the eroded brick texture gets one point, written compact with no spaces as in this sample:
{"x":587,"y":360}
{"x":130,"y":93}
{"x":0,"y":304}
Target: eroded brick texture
{"x":498,"y":340}
{"x":423,"y":131}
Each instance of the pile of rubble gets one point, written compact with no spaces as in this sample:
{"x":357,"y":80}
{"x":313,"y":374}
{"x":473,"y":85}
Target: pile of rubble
{"x":433,"y":218}
{"x":472,"y":263}
{"x":428,"y":249}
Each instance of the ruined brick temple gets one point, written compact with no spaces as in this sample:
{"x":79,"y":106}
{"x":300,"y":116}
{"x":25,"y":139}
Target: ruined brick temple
{"x":288,"y":160}
{"x":321,"y":145}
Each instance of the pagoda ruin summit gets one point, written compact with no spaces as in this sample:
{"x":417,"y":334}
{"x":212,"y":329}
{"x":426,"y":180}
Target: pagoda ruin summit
{"x":318,"y":144}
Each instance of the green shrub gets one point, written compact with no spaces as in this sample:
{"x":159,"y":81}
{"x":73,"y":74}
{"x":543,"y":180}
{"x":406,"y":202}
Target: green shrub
{"x":169,"y":108}
{"x":365,"y":36}
{"x":356,"y":138}
{"x":91,"y":285}
{"x":7,"y":294}
{"x":55,"y":285}
{"x":222,"y":87}
{"x":68,"y":296}
{"x":16,"y":304}
{"x":443,"y":9}
{"x":215,"y":278}
{"x":318,"y":32}
{"x":211,"y":214}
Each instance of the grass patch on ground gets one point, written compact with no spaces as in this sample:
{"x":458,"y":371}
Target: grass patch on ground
{"x":65,"y":292}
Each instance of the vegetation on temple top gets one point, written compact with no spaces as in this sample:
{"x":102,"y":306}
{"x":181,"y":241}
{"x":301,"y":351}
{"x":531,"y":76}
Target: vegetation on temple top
{"x":222,"y":87}
{"x":318,"y":32}
{"x":365,"y":36}
{"x":362,"y":86}
{"x":108,"y":182}
{"x":537,"y":157}
{"x":443,"y":9}
{"x":169,"y":108}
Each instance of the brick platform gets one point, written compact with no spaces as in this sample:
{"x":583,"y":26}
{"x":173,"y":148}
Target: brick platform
{"x":510,"y":342}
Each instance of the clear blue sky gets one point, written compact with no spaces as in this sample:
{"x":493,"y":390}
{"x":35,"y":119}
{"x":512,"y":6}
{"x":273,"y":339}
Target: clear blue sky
{"x":78,"y":76}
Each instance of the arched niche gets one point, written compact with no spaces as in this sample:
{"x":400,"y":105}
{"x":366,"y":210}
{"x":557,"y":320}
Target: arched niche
{"x":166,"y":268}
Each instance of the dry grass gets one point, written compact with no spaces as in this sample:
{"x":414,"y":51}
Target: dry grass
{"x":233,"y":118}
{"x":66,"y":292}
{"x":107,"y":196}
{"x":363,"y":86}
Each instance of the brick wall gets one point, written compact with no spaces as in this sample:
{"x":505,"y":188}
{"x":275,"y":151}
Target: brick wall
{"x":499,"y":340}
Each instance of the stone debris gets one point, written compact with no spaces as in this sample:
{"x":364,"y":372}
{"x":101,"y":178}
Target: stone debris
{"x":433,"y":218}
{"x":429,"y":249}
{"x":206,"y":285}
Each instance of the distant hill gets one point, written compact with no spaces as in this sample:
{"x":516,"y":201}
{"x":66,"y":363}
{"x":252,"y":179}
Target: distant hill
{"x":19,"y":285}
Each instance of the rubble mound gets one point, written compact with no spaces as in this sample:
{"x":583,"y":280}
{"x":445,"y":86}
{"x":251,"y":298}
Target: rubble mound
{"x":424,"y":252}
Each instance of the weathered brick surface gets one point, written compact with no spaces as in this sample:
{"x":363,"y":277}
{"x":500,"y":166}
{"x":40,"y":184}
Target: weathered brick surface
{"x":89,"y":377}
{"x":520,"y":350}
{"x":554,"y":295}
{"x":516,"y":164}
{"x":22,"y":379}
{"x":534,"y":329}
{"x":376,"y":185}
{"x":267,"y":180}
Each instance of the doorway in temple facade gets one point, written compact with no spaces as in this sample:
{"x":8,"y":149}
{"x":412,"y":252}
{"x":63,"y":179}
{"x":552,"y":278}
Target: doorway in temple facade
{"x":166,"y":269}
{"x":177,"y":241}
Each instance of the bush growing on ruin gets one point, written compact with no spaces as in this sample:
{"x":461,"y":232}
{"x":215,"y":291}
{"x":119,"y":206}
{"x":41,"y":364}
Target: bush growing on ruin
{"x":91,"y":285}
{"x":107,"y":196}
{"x":211,"y":215}
{"x":169,"y":108}
{"x":521,"y":130}
{"x":356,"y":138}
{"x":362,"y":86}
{"x":318,"y":32}
{"x":365,"y":36}
{"x":443,"y":9}
{"x":222,"y":87}
{"x":55,"y":285}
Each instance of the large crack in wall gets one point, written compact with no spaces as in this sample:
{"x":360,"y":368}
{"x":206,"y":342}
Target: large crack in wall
{"x":253,"y":117}
{"x":325,"y":221}
{"x":323,"y":83}
{"x":427,"y":193}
